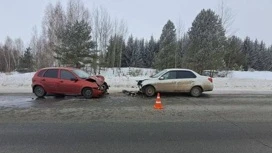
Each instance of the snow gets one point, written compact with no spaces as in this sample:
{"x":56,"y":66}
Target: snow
{"x":126,"y":77}
{"x":262,"y":75}
{"x":114,"y":72}
{"x":16,"y":79}
{"x":235,"y":82}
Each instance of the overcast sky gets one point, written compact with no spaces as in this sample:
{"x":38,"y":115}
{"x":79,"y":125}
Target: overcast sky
{"x":144,"y":17}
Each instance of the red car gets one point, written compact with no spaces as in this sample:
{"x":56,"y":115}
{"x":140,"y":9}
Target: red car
{"x":67,"y":81}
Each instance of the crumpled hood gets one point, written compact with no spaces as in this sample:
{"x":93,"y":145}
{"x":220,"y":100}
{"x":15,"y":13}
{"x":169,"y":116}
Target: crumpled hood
{"x":141,"y":80}
{"x":98,"y":79}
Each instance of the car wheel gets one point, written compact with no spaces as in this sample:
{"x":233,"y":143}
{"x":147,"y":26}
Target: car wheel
{"x":196,"y":91}
{"x":39,"y":91}
{"x":149,"y":91}
{"x":87,"y":93}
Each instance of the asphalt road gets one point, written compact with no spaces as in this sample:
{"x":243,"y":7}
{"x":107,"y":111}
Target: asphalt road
{"x":136,"y":137}
{"x":118,"y":123}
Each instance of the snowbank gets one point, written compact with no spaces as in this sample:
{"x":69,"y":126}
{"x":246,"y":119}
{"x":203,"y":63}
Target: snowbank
{"x":263,"y":75}
{"x":132,"y":71}
{"x":126,"y":79}
{"x":15,"y":79}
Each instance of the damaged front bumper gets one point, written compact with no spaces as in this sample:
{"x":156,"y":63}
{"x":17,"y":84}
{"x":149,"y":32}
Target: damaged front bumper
{"x":140,"y":86}
{"x":104,"y":87}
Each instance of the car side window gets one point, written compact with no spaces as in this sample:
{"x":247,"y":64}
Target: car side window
{"x":170,"y":75}
{"x":40,"y":74}
{"x":51,"y":73}
{"x":66,"y":75}
{"x":185,"y":75}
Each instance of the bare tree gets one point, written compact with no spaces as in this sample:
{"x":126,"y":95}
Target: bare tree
{"x":7,"y":53}
{"x":102,"y":27}
{"x":180,"y":29}
{"x":76,"y":11}
{"x":2,"y":59}
{"x":102,"y":30}
{"x":180,"y":33}
{"x":120,"y":29}
{"x":19,"y":45}
{"x":53,"y":23}
{"x":36,"y":49}
{"x":227,"y":17}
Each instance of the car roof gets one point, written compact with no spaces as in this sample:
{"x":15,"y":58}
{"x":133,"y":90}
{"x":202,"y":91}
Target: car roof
{"x":176,"y":69}
{"x":64,"y":68}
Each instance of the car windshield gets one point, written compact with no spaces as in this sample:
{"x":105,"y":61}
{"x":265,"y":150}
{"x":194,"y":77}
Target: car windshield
{"x":81,"y":74}
{"x":159,"y":74}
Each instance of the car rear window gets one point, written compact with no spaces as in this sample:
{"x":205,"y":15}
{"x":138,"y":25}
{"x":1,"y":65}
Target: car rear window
{"x":185,"y":75}
{"x":40,"y":74}
{"x":51,"y":73}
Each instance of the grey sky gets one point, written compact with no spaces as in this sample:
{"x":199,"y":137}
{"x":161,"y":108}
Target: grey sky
{"x":144,"y":17}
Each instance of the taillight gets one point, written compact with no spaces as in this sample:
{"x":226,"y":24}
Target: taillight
{"x":210,"y":79}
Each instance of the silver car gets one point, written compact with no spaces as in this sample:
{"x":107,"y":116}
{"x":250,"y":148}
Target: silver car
{"x":176,"y":80}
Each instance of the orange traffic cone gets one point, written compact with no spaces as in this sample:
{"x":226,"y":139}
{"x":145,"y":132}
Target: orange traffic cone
{"x":158,"y":104}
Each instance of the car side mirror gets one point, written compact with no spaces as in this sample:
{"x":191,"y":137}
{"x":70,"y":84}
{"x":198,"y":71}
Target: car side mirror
{"x":74,"y":79}
{"x":161,"y":78}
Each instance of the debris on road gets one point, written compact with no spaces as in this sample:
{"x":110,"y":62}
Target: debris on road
{"x":131,"y":93}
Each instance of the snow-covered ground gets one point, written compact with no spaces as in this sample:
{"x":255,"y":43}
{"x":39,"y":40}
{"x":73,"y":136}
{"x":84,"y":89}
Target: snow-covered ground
{"x":235,"y":82}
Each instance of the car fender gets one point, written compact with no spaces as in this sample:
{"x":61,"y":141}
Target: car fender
{"x":150,"y":82}
{"x":88,"y":84}
{"x":33,"y":86}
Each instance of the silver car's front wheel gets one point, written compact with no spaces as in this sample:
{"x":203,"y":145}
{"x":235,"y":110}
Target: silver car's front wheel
{"x":149,"y":91}
{"x":196,"y":91}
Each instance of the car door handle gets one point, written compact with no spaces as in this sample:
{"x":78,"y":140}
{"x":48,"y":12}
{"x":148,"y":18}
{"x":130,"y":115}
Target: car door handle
{"x":43,"y":79}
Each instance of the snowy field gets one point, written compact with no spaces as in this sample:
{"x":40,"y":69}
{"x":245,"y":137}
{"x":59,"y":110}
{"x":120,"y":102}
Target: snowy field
{"x":235,"y":82}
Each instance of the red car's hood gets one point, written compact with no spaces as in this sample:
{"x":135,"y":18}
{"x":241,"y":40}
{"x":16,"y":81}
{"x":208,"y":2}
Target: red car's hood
{"x":98,"y":79}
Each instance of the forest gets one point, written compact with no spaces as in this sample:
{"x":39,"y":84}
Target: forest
{"x":93,"y":37}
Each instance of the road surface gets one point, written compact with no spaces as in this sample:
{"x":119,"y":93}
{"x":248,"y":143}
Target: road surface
{"x":136,"y":137}
{"x":119,"y":124}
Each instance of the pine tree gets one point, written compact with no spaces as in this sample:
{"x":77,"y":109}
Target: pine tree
{"x":75,"y":44}
{"x":234,"y":57}
{"x":136,"y":58}
{"x":247,"y":50}
{"x":26,"y":62}
{"x":110,"y":52}
{"x":150,"y":49}
{"x":127,"y":54}
{"x":142,"y":53}
{"x":115,"y":48}
{"x":269,"y":59}
{"x":261,"y":59}
{"x":207,"y":40}
{"x":167,"y":48}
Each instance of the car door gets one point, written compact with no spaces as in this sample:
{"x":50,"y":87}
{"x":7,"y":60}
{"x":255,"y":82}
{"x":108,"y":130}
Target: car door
{"x":185,"y":81}
{"x":167,"y":82}
{"x":50,"y":80}
{"x":67,"y":83}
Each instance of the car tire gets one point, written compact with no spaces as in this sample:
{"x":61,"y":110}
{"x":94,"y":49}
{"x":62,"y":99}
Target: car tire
{"x":196,"y":91}
{"x":39,"y":91}
{"x":149,"y":91}
{"x":87,"y":93}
